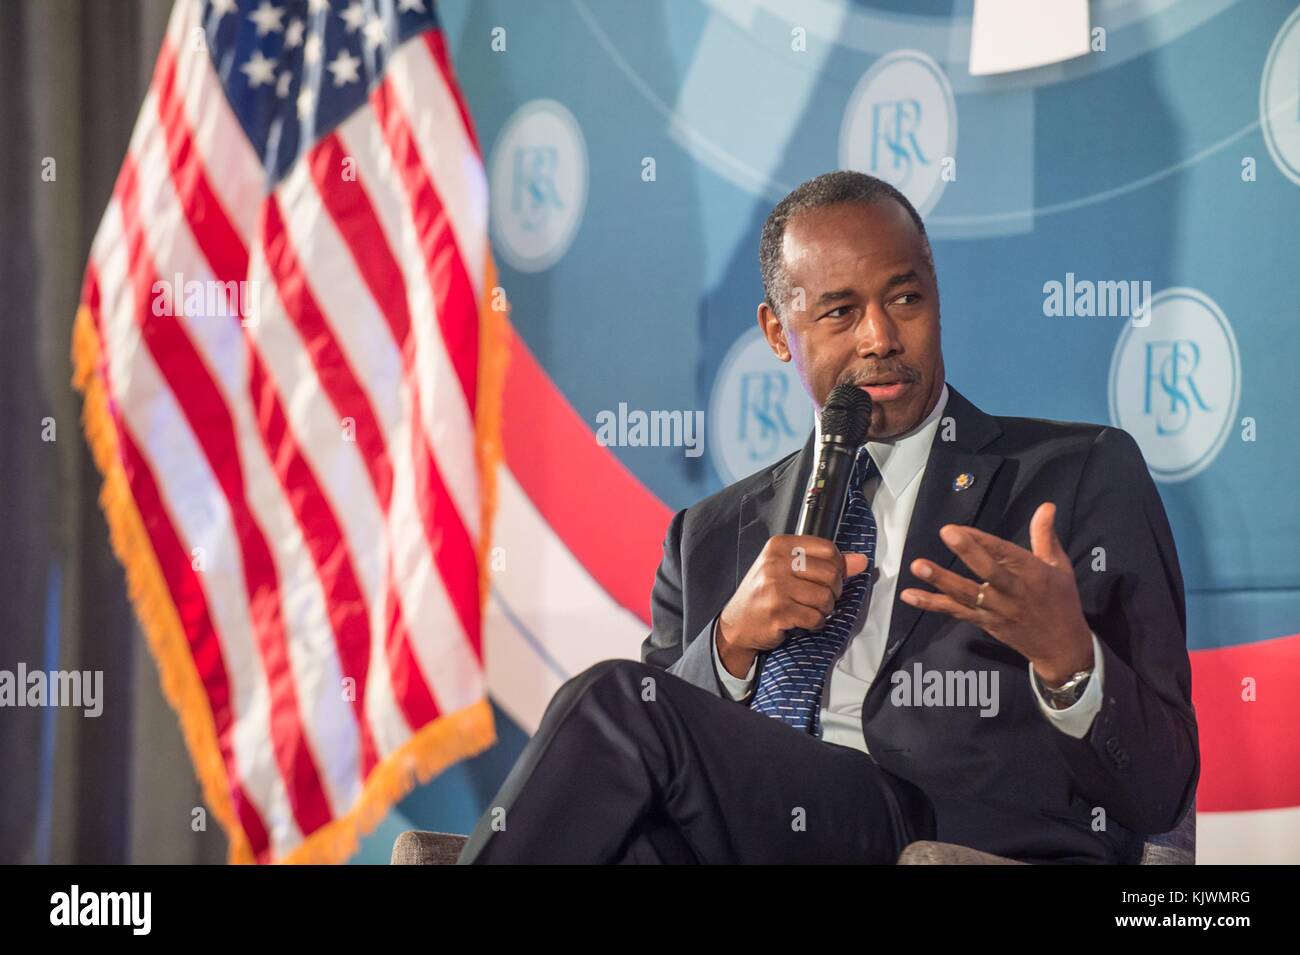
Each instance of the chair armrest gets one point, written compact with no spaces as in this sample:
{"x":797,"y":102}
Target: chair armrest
{"x":1176,"y":847}
{"x":945,"y":853}
{"x":427,"y":848}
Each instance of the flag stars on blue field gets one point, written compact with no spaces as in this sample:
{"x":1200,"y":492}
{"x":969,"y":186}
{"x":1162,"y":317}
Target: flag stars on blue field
{"x":376,"y":33}
{"x":293,"y":70}
{"x":259,"y":69}
{"x":312,"y":50}
{"x":354,"y":16}
{"x":344,"y":67}
{"x":267,"y":18}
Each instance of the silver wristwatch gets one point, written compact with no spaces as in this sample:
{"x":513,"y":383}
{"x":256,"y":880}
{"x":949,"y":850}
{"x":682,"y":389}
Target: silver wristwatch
{"x":1068,"y":693}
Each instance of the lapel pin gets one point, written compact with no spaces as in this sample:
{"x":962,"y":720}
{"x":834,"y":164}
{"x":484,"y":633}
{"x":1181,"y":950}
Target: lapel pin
{"x":962,"y":481}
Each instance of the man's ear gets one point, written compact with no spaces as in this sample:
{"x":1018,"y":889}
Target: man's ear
{"x":773,"y":331}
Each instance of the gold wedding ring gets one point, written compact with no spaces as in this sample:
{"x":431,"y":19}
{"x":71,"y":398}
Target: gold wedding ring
{"x":979,"y":597}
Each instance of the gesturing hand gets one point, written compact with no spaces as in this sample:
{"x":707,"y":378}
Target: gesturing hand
{"x":1030,"y":600}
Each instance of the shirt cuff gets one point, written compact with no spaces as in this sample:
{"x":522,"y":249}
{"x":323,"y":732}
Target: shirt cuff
{"x":1075,"y":720}
{"x":736,"y":687}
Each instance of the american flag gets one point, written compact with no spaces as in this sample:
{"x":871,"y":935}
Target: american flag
{"x":291,"y":358}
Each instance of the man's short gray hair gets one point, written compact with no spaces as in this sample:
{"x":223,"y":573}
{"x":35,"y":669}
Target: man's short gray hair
{"x":828,"y":189}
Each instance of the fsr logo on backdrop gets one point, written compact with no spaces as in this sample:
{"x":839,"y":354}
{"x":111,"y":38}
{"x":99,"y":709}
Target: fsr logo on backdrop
{"x":1279,"y":99}
{"x":758,"y":411}
{"x":538,"y":185}
{"x":901,"y":126}
{"x":1175,"y":382}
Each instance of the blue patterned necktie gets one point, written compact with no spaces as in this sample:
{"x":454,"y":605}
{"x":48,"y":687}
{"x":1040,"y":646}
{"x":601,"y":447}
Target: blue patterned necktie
{"x":794,"y":673}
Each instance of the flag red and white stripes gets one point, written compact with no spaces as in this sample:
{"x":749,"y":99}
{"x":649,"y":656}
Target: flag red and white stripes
{"x":300,"y":487}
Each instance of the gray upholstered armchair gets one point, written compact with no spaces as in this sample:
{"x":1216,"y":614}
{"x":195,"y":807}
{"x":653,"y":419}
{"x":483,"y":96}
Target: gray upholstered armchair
{"x":1177,"y":847}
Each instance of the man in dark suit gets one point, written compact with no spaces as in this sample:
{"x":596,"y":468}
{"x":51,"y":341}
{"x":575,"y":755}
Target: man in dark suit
{"x":991,"y":653}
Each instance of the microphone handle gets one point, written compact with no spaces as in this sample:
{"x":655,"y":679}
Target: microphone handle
{"x":828,"y":489}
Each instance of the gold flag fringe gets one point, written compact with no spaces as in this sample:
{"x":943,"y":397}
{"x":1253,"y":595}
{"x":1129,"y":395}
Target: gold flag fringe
{"x":148,"y":588}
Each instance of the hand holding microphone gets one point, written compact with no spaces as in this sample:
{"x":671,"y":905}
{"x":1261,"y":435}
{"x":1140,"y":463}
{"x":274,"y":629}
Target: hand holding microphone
{"x":796,"y":578}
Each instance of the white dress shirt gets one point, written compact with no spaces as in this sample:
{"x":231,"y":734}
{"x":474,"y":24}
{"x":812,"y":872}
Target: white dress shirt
{"x":891,"y":492}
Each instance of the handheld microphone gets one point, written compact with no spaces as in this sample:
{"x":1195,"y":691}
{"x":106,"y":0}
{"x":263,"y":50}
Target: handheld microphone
{"x":845,"y":421}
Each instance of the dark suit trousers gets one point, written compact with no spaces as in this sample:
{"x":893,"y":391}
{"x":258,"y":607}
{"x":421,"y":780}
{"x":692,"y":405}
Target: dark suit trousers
{"x":633,"y":764}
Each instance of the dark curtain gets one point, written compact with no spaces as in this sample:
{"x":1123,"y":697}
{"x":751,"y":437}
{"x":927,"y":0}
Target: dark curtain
{"x":120,"y":787}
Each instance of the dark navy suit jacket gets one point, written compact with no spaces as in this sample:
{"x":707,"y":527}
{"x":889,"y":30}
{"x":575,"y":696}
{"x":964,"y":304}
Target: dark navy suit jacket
{"x":1013,"y":784}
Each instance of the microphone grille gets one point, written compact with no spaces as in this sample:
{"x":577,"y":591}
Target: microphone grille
{"x":847,"y":412}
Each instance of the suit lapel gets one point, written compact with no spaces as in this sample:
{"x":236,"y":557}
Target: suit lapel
{"x":940,"y":502}
{"x":773,"y":508}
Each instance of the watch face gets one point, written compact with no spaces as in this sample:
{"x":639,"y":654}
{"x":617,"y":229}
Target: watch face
{"x":1071,"y":696}
{"x":1061,"y":699}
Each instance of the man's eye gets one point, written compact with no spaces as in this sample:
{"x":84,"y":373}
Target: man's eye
{"x":834,"y":313}
{"x":915,"y":297}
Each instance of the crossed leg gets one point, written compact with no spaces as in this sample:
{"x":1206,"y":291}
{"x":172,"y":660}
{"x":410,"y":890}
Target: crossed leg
{"x":634,"y":764}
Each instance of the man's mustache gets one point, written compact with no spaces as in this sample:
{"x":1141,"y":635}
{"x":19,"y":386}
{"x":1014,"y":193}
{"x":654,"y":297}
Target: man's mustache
{"x":866,"y":376}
